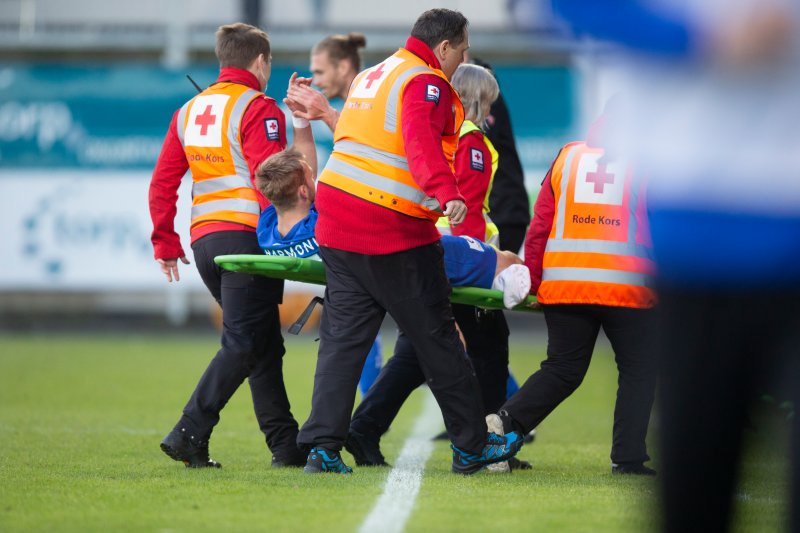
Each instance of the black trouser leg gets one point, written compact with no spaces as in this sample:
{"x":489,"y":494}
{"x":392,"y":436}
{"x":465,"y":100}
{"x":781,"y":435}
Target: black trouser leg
{"x":431,"y":328}
{"x":716,"y":347}
{"x":512,"y":236}
{"x":703,"y":404}
{"x":486,"y":335}
{"x":632,"y":337}
{"x":571,"y":335}
{"x":251,"y":344}
{"x":351,"y":319}
{"x":270,"y":401}
{"x":398,"y":378}
{"x":412,"y":287}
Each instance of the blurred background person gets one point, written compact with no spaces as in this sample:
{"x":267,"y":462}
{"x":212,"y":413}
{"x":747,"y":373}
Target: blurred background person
{"x":715,"y":87}
{"x":509,"y":202}
{"x":508,"y":199}
{"x":335,"y":62}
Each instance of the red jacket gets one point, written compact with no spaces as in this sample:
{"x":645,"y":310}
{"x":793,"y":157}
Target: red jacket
{"x":473,"y":178}
{"x":355,"y":225}
{"x":172,"y":166}
{"x":539,"y":231}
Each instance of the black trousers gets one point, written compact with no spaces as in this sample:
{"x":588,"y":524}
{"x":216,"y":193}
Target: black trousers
{"x":512,"y":236}
{"x":412,"y":287}
{"x":251,"y":346}
{"x":718,"y":351}
{"x":572,"y":332}
{"x":486,"y":336}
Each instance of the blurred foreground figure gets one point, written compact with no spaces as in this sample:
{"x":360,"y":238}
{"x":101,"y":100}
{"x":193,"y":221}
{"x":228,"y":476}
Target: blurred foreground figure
{"x":716,"y":125}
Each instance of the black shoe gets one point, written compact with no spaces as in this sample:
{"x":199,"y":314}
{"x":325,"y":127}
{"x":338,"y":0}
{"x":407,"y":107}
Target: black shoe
{"x":442,"y":436}
{"x":189,"y":449}
{"x":365,"y":451}
{"x":529,"y":437}
{"x":290,"y":461}
{"x":518,"y":464}
{"x":637,"y":469}
{"x":325,"y":460}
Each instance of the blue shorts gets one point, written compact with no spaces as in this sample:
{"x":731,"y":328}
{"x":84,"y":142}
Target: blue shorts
{"x":469,"y":262}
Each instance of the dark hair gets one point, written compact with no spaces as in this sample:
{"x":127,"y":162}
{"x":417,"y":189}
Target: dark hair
{"x":437,"y":25}
{"x":239,"y":44}
{"x":341,"y":47}
{"x":279,"y":177}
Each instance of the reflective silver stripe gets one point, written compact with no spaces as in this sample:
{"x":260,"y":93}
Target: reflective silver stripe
{"x":180,"y":123}
{"x":382,"y":184}
{"x":230,"y":204}
{"x":600,"y":275}
{"x":444,"y":230}
{"x":220,"y":184}
{"x":234,"y":121}
{"x":362,"y":150}
{"x":562,"y":200}
{"x":390,"y":120}
{"x":599,"y":247}
{"x":633,"y":205}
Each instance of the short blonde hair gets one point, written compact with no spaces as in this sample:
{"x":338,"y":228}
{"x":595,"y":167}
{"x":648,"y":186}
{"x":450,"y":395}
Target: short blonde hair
{"x":280,"y":176}
{"x":476,"y":86}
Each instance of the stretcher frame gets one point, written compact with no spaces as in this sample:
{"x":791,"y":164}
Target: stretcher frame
{"x":312,"y":271}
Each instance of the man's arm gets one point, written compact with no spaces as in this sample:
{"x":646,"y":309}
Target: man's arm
{"x":539,"y":231}
{"x":263,"y":134}
{"x":308,"y":103}
{"x":304,"y":143}
{"x":163,"y":197}
{"x":424,"y":121}
{"x":473,"y":174}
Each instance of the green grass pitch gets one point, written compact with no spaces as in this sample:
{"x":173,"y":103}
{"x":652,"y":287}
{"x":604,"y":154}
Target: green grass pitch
{"x":81,"y":418}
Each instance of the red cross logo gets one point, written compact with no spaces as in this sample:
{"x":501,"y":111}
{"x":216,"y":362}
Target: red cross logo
{"x":273,"y":126}
{"x":205,"y":120}
{"x":375,"y":75}
{"x":599,"y":178}
{"x":477,"y":156}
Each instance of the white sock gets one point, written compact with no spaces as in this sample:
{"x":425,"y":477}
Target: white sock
{"x":515,"y":282}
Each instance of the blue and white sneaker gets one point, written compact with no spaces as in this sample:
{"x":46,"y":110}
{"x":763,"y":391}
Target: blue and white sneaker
{"x":325,"y":460}
{"x":498,"y":448}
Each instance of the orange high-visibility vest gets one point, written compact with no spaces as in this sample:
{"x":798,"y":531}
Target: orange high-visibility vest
{"x":209,"y":128}
{"x":369,"y":156}
{"x":599,"y":249}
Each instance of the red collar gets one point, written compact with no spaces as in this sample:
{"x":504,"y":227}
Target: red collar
{"x":238,"y":75}
{"x":423,"y":51}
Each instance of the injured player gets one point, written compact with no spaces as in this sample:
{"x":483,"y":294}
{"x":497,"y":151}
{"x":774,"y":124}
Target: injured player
{"x":286,"y":228}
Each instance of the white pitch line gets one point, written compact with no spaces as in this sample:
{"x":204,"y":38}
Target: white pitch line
{"x":391,"y":511}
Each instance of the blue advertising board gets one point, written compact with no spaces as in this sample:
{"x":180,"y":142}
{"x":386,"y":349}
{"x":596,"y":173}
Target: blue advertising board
{"x":115,"y":115}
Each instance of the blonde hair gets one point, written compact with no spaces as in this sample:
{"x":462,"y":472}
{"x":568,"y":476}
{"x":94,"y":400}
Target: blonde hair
{"x":280,"y":176}
{"x":477,"y":87}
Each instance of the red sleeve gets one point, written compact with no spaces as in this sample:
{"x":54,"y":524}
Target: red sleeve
{"x":424,"y":120}
{"x":163,"y":196}
{"x":538,"y":233}
{"x":263,"y":134}
{"x":473,"y":174}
